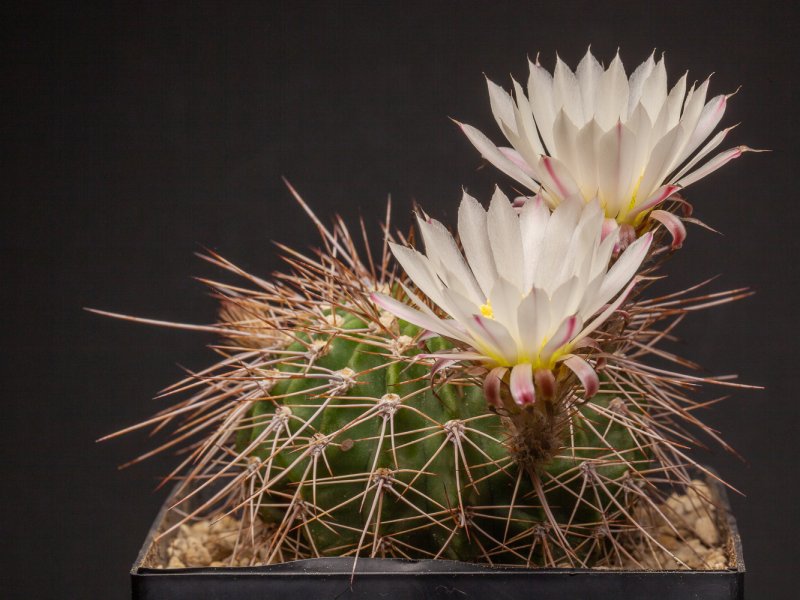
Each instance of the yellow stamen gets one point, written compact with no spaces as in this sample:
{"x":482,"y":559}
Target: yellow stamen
{"x":486,"y":310}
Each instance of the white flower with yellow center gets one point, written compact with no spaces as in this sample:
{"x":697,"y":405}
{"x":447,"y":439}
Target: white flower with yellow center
{"x":530,"y":286}
{"x":629,"y":142}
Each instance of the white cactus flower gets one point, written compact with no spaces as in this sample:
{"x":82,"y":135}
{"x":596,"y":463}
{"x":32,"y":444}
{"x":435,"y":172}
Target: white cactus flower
{"x":629,"y":142}
{"x":530,"y":286}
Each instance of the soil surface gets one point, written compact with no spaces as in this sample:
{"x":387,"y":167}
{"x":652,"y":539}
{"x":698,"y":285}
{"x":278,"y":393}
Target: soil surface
{"x":695,"y":540}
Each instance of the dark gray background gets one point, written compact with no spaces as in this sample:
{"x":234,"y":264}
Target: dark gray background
{"x":135,"y":135}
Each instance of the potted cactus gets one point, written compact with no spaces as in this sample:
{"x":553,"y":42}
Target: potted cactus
{"x":491,"y":410}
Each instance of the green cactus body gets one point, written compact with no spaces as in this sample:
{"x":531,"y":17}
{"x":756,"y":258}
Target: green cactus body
{"x":386,"y":465}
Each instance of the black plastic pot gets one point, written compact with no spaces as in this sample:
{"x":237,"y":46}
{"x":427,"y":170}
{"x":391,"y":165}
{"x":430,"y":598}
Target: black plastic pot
{"x":330,"y":578}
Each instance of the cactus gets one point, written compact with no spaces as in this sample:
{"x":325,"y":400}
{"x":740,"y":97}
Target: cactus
{"x":328,"y":421}
{"x":488,"y":401}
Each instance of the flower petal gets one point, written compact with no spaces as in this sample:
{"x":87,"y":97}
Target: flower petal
{"x":715,"y":163}
{"x":540,"y":96}
{"x":494,"y":340}
{"x":709,"y":118}
{"x":692,"y":109}
{"x":410,"y":314}
{"x":711,"y":145}
{"x":532,"y":322}
{"x":559,"y":231}
{"x":533,"y":221}
{"x":503,"y":109}
{"x":563,"y":336}
{"x":492,"y":386}
{"x":588,"y":73}
{"x":491,"y":153}
{"x":610,"y":310}
{"x":521,"y":383}
{"x":418,"y":268}
{"x":505,"y":300}
{"x":556,"y":178}
{"x":673,"y":224}
{"x":654,"y":89}
{"x":565,"y":137}
{"x":517,"y":159}
{"x":503,"y":227}
{"x":529,"y":144}
{"x":637,"y":81}
{"x":659,"y":163}
{"x":545,"y":381}
{"x":566,"y":93}
{"x":661,"y":194}
{"x":475,"y":239}
{"x":612,"y":95}
{"x":623,"y":270}
{"x":674,"y":102}
{"x":615,"y":168}
{"x":446,"y":258}
{"x":587,"y":157}
{"x":584,"y":371}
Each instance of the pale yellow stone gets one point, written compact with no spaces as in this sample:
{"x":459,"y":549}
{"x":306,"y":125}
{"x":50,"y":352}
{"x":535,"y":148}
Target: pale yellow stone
{"x":675,"y":504}
{"x":685,"y":554}
{"x":697,"y":546}
{"x":690,"y":505}
{"x":200,"y":528}
{"x":706,"y":530}
{"x":668,"y":541}
{"x":701,"y":493}
{"x":716,"y":560}
{"x":196,"y":555}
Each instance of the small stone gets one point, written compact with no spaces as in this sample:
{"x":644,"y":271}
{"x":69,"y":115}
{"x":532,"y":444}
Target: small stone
{"x":675,"y":504}
{"x":699,"y":489}
{"x":178,"y":545}
{"x":697,"y":546}
{"x":200,"y":528}
{"x":706,"y":530}
{"x":716,"y":560}
{"x":216,"y":551}
{"x":196,"y":555}
{"x":685,"y":554}
{"x":690,"y":505}
{"x":668,"y":541}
